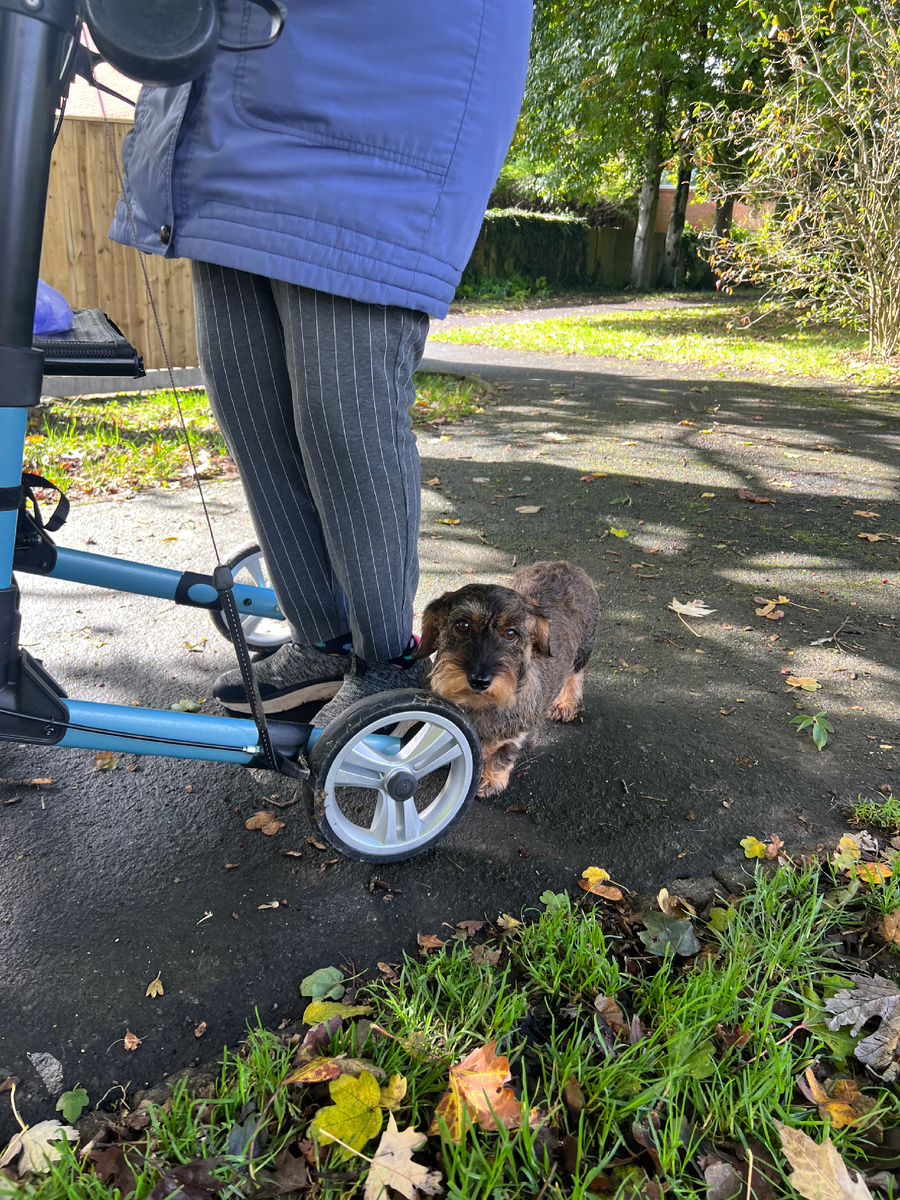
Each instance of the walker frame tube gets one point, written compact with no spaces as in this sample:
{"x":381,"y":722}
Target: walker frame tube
{"x":33,"y":707}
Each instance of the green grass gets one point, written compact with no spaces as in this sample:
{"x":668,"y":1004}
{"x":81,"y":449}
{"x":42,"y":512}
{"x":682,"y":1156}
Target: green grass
{"x":876,"y":814}
{"x":115,"y":446}
{"x":714,"y":336}
{"x":671,"y":1076}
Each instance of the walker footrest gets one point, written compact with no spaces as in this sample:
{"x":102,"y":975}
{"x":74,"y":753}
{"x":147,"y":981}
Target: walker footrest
{"x":93,"y":346}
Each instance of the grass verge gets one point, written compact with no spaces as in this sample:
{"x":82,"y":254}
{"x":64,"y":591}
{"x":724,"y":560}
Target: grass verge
{"x":117,"y":446}
{"x":648,"y":1054}
{"x":715,"y":336}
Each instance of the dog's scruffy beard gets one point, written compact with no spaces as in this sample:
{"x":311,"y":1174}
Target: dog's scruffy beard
{"x":448,"y":679}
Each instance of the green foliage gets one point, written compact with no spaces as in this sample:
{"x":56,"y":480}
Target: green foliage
{"x":325,"y":984}
{"x":876,"y":814}
{"x":72,"y":1104}
{"x":512,"y":287}
{"x":703,"y":1051}
{"x":814,"y":146}
{"x":733,"y":336}
{"x":553,"y":245}
{"x":819,"y":727}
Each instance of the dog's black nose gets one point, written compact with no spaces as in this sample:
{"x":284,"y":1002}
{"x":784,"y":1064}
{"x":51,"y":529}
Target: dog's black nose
{"x":480,"y":683}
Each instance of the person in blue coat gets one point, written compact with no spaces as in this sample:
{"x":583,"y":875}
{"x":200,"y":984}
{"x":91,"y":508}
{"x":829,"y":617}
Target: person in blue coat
{"x":329,"y":190}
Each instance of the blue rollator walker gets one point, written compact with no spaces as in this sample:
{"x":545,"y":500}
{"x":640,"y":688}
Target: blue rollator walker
{"x":390,"y":776}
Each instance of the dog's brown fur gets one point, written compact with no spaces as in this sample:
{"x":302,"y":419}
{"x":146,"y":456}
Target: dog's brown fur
{"x":511,"y":656}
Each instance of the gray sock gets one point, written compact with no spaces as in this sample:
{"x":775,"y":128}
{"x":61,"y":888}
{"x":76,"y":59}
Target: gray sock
{"x":378,"y":677}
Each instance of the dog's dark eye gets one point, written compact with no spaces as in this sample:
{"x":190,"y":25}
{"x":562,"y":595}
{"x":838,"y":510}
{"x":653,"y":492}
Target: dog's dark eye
{"x":461,"y":626}
{"x":510,"y":635}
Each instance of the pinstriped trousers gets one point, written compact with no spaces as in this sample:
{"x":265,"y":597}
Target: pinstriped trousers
{"x":311,"y":392}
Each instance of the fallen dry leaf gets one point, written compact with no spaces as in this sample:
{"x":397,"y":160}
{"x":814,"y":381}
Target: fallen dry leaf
{"x":200,"y":1030}
{"x":694,"y":608}
{"x":478,"y":1087}
{"x":774,"y":847}
{"x":871,"y":537}
{"x":529,"y":508}
{"x":507,"y":923}
{"x":609,"y":1012}
{"x":265,"y":822}
{"x":393,"y":1166}
{"x":484,"y":956}
{"x":746,"y":494}
{"x":155,"y":988}
{"x":34,"y":1147}
{"x":890,"y":927}
{"x":674,"y":906}
{"x":132,"y":1041}
{"x":861,"y":512}
{"x":428,"y":943}
{"x":843,"y":1105}
{"x":873,"y":873}
{"x":819,"y":1172}
{"x":105,"y":760}
{"x":806,"y":682}
{"x":470,"y":927}
{"x":868,"y":998}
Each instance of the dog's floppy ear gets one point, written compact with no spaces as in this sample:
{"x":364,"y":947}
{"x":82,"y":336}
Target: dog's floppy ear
{"x":433,"y":620}
{"x":540,"y":629}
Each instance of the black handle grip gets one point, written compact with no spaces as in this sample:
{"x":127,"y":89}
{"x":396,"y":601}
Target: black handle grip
{"x":277,"y":15}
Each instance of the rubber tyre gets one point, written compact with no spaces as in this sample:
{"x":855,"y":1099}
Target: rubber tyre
{"x":379,"y":714}
{"x":263,"y":648}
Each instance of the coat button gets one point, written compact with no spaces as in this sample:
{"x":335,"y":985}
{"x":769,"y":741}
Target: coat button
{"x":164,"y":234}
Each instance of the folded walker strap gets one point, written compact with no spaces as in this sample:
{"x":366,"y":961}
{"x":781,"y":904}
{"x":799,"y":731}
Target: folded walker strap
{"x":224,"y":585}
{"x":58,"y":517}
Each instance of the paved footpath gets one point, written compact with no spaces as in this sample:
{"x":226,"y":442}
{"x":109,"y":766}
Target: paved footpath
{"x":685,"y":747}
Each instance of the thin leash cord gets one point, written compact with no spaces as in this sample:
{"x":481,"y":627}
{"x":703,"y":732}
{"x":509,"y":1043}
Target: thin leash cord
{"x":162,"y":341}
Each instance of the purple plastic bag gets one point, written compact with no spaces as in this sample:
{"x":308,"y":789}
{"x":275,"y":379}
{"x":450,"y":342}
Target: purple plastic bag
{"x":51,"y":312}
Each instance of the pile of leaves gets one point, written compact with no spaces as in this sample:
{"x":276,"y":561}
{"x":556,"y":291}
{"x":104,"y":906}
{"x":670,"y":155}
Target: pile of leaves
{"x":742,"y":1046}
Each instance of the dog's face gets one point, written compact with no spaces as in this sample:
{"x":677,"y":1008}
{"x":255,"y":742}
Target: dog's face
{"x":483,"y":638}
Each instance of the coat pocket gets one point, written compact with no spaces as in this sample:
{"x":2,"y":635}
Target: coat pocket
{"x":388,"y":79}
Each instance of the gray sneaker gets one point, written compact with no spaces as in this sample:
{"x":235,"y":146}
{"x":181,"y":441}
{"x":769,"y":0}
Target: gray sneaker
{"x":378,"y":677}
{"x":291,"y":676}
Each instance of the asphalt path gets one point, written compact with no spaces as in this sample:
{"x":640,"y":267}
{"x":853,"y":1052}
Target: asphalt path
{"x":108,"y":878}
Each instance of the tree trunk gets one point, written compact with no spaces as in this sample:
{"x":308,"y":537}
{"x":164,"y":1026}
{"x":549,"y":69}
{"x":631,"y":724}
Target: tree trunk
{"x":643,"y":269}
{"x":671,"y":274}
{"x":724,"y":214}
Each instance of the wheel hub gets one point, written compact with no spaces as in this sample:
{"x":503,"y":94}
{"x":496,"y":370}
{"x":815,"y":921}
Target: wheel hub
{"x":401,"y":785}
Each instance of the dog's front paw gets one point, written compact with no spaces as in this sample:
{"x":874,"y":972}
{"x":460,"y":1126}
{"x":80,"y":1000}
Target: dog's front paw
{"x":559,"y":711}
{"x":493,"y":782}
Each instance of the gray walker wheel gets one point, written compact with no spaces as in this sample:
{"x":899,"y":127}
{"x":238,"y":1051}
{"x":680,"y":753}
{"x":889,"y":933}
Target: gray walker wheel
{"x":263,"y":634}
{"x":389,"y":804}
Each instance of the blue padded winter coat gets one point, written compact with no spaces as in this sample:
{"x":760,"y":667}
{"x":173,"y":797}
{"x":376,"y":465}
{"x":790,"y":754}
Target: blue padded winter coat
{"x":355,"y":156}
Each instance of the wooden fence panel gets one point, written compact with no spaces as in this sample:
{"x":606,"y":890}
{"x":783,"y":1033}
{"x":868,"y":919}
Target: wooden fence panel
{"x":91,"y":271}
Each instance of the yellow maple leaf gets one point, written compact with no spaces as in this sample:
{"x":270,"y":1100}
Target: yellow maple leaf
{"x":324,"y":1010}
{"x":873,"y":873}
{"x":478,"y":1089}
{"x":595,"y":875}
{"x":354,"y":1116}
{"x":753,"y":847}
{"x":393,"y":1093}
{"x":847,"y":853}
